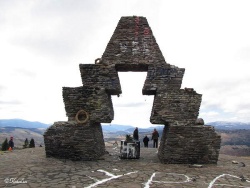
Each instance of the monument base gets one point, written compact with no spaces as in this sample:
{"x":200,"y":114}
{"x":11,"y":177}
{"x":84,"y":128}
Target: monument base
{"x":189,"y":145}
{"x":70,"y":140}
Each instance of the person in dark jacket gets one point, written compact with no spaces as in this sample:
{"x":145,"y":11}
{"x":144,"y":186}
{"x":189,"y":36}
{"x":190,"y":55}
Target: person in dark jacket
{"x":155,"y":136}
{"x":11,"y":143}
{"x":136,"y":134}
{"x":145,"y":141}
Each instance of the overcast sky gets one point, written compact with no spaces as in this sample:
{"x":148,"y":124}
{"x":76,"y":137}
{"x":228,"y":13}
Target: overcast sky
{"x":43,"y":42}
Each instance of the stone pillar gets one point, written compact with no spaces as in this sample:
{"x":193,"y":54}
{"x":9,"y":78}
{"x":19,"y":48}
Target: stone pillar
{"x":189,"y":145}
{"x":70,"y":140}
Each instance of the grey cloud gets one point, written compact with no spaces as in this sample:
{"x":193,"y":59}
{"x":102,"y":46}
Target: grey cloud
{"x":224,"y":95}
{"x":46,"y":46}
{"x":209,"y":106}
{"x":64,"y":29}
{"x":2,"y":88}
{"x":244,"y":53}
{"x":130,"y":104}
{"x":47,"y":7}
{"x":221,"y":86}
{"x":243,"y":105}
{"x":13,"y":102}
{"x":26,"y":73}
{"x":7,"y":10}
{"x":4,"y":7}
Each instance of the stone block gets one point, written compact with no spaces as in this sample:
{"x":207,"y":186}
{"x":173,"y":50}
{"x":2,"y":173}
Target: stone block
{"x":189,"y":145}
{"x":178,"y":107}
{"x":70,"y":140}
{"x":95,"y":101}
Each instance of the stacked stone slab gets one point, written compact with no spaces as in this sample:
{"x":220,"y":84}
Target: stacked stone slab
{"x":70,"y":140}
{"x":133,"y":47}
{"x":189,"y":145}
{"x":177,"y":107}
{"x":94,"y":100}
{"x":102,"y":76}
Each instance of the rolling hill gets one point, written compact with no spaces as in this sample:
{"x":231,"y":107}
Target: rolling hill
{"x":235,"y":135}
{"x":22,"y":123}
{"x":20,"y":134}
{"x":227,"y":125}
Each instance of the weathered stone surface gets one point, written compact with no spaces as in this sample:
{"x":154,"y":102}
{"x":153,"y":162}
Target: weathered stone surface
{"x":132,"y":46}
{"x":189,"y":144}
{"x":165,"y":77}
{"x":94,"y":100}
{"x":101,"y":76}
{"x":70,"y":140}
{"x":178,"y":107}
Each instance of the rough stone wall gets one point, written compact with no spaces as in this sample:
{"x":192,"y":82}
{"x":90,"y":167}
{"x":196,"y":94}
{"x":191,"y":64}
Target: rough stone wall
{"x":102,"y":76}
{"x":178,"y":107}
{"x":165,"y":77}
{"x":94,"y":100}
{"x":132,"y":46}
{"x":70,"y":140}
{"x":189,"y":144}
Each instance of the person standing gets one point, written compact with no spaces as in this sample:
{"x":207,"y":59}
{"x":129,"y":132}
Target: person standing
{"x":136,"y":134}
{"x":145,"y":141}
{"x":155,"y":136}
{"x":11,"y":143}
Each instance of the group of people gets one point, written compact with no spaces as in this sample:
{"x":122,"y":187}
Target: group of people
{"x":155,"y":136}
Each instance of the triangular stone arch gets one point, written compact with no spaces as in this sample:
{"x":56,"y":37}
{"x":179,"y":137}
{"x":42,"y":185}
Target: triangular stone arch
{"x":133,"y":47}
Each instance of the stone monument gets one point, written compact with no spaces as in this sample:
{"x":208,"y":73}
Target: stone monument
{"x":132,"y":47}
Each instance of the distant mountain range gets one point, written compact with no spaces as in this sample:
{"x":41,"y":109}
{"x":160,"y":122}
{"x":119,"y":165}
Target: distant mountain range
{"x":218,"y":125}
{"x":22,"y":123}
{"x":20,"y":134}
{"x":224,"y":125}
{"x":232,"y":133}
{"x":227,"y":125}
{"x":127,"y":128}
{"x":116,"y":127}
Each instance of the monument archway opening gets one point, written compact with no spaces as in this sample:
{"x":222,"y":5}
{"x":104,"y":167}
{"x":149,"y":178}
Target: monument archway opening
{"x":133,"y":47}
{"x":131,"y":107}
